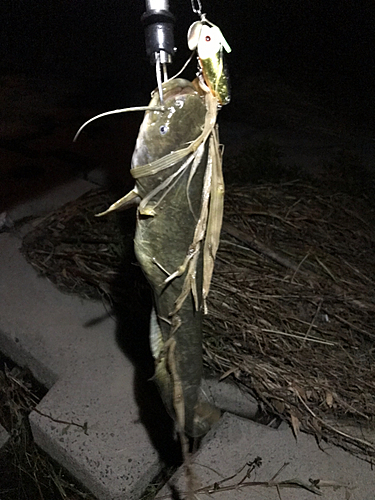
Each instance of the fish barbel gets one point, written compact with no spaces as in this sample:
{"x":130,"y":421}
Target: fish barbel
{"x":177,"y":168}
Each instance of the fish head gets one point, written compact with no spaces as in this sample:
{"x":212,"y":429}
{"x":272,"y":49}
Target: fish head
{"x":173,"y":127}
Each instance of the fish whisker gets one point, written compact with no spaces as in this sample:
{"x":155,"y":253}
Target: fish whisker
{"x":115,"y":112}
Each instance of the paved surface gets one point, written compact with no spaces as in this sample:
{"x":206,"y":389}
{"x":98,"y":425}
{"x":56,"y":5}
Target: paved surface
{"x":100,"y":419}
{"x":70,"y":345}
{"x":235,"y":443}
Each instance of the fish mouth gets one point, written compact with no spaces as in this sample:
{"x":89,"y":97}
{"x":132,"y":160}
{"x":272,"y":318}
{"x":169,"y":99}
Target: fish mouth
{"x":177,"y":88}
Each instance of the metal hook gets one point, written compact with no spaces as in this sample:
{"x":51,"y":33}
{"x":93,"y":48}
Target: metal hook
{"x":158,"y":78}
{"x":196,"y":5}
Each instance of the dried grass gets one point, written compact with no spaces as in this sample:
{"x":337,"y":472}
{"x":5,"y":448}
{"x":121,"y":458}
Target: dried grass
{"x":292,"y":304}
{"x":293,"y":308}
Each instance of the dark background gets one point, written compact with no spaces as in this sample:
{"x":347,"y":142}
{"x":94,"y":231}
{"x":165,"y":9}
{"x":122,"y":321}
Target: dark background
{"x":327,"y":46}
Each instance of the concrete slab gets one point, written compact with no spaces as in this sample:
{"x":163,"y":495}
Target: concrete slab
{"x":89,"y":422}
{"x":4,"y":437}
{"x":70,"y":346}
{"x":235,"y":443}
{"x":230,"y":398}
{"x":40,"y":327}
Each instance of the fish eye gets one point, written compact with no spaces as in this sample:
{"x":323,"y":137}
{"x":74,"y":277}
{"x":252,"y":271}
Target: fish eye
{"x":208,"y":38}
{"x":163,"y":129}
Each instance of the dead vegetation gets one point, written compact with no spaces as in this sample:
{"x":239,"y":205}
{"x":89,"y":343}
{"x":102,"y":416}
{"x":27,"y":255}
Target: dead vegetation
{"x":291,"y":309}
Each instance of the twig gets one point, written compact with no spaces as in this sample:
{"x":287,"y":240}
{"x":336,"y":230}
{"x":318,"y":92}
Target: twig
{"x":298,"y":267}
{"x":291,"y":208}
{"x":359,"y":272}
{"x":312,"y":323}
{"x":356,"y":328}
{"x":84,"y":427}
{"x":325,"y":268}
{"x":333,"y":429}
{"x":299,"y":337}
{"x":278,"y":472}
{"x":269,"y":214}
{"x":258,"y":247}
{"x":288,"y":483}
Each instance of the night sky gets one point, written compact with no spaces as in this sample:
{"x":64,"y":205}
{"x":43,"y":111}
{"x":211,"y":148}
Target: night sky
{"x":327,"y":46}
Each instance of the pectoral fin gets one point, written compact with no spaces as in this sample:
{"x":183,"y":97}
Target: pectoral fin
{"x":206,"y":415}
{"x":132,"y":198}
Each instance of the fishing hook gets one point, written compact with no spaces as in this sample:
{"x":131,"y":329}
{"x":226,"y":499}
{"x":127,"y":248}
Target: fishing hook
{"x":158,"y":22}
{"x":196,"y":5}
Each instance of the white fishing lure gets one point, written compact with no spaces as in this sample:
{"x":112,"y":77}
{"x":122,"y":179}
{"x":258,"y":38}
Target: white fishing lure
{"x":209,"y":42}
{"x":206,"y":38}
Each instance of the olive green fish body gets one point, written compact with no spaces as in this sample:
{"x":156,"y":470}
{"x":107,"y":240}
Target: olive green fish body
{"x":164,"y":234}
{"x":179,"y":188}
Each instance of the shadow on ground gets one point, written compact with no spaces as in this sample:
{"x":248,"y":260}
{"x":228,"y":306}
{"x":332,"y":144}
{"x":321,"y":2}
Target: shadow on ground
{"x":132,"y":310}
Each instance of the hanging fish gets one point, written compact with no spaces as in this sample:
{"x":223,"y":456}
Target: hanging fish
{"x":179,"y":189}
